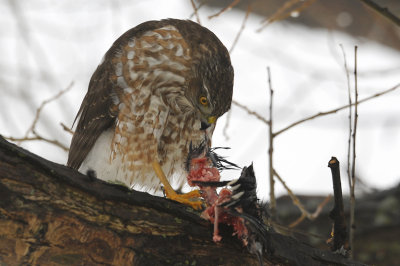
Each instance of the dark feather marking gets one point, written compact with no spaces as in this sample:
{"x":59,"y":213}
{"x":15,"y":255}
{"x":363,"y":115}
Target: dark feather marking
{"x":211,"y":183}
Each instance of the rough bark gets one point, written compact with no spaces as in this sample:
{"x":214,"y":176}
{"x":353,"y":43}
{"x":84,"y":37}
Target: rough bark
{"x":52,"y":215}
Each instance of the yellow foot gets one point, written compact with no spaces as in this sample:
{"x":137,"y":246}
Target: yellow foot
{"x":192,"y":194}
{"x":187,"y":199}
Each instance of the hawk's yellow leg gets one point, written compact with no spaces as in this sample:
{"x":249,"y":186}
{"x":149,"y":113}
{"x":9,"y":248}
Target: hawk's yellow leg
{"x":171,"y":194}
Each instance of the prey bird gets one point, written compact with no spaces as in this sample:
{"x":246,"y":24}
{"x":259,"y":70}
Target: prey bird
{"x":236,"y":204}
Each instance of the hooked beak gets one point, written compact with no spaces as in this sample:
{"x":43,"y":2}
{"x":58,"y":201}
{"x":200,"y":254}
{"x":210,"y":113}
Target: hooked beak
{"x":210,"y":120}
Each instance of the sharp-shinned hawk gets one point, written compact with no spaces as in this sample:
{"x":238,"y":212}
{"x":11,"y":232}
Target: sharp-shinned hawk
{"x":161,"y":86}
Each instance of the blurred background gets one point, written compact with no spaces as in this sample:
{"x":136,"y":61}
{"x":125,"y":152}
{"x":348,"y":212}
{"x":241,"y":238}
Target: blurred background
{"x":48,"y":46}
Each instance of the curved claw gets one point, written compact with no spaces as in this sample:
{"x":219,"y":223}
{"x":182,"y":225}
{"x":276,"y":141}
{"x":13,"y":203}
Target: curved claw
{"x":171,"y":194}
{"x":192,"y":194}
{"x":182,"y":198}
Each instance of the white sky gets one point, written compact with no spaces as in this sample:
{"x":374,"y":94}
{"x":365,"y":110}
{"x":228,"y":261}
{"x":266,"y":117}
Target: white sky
{"x":64,"y":42}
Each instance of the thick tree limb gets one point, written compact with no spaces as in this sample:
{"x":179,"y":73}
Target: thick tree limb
{"x":52,"y":215}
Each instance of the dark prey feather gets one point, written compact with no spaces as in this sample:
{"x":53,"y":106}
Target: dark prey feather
{"x":217,"y":161}
{"x":211,"y":183}
{"x":244,"y":204}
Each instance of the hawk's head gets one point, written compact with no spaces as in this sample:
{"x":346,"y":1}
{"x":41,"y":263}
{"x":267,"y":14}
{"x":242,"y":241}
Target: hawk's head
{"x":210,"y":83}
{"x":181,"y":59}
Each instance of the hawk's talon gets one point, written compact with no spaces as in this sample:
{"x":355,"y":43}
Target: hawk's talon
{"x":171,"y":194}
{"x":191,"y":195}
{"x":197,"y":205}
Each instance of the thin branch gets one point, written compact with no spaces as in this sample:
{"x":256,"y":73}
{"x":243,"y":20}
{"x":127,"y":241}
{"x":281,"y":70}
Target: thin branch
{"x":285,"y":11}
{"x":314,"y":215}
{"x":280,"y":11}
{"x":297,"y":221}
{"x":32,"y":128}
{"x":241,"y":28}
{"x":294,"y":198}
{"x":195,"y":11}
{"x":250,"y":112}
{"x":337,"y":109}
{"x":39,"y":110}
{"x":67,"y":128}
{"x":384,"y":11}
{"x":319,"y":208}
{"x":350,"y":114}
{"x":202,"y":3}
{"x":272,"y":199}
{"x":228,"y":116}
{"x":229,"y":7}
{"x":353,"y":168}
{"x":297,"y":202}
{"x":41,"y":138}
{"x":287,"y":230}
{"x":33,"y":48}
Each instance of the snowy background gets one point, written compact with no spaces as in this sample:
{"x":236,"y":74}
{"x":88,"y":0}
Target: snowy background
{"x":47,"y":45}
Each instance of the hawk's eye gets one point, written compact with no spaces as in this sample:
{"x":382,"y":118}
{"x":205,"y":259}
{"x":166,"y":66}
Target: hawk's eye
{"x":203,"y":100}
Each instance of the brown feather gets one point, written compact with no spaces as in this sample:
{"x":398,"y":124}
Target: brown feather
{"x":96,"y":115}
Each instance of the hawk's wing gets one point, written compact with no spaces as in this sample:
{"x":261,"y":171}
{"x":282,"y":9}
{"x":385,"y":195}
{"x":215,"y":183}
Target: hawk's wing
{"x":96,"y":114}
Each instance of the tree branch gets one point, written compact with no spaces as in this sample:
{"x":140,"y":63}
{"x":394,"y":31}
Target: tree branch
{"x":384,"y":11}
{"x":51,"y":213}
{"x":340,"y":234}
{"x":337,"y":109}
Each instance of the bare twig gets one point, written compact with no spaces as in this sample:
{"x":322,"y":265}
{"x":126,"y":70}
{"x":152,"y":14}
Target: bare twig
{"x":314,"y":215}
{"x":32,"y":128}
{"x":272,"y":199}
{"x":279,"y":13}
{"x":273,"y":173}
{"x":229,"y":7}
{"x":321,"y":206}
{"x":228,"y":116}
{"x":350,"y":115}
{"x":384,"y":11}
{"x":41,"y":138}
{"x":285,"y":11}
{"x":353,"y":168}
{"x":195,"y":11}
{"x":337,"y":214}
{"x":250,"y":112}
{"x":202,"y":3}
{"x":297,"y":221}
{"x":287,"y":230}
{"x":39,"y":55}
{"x":66,"y":128}
{"x":241,"y":28}
{"x":39,"y":110}
{"x":337,"y":109}
{"x":296,"y":201}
